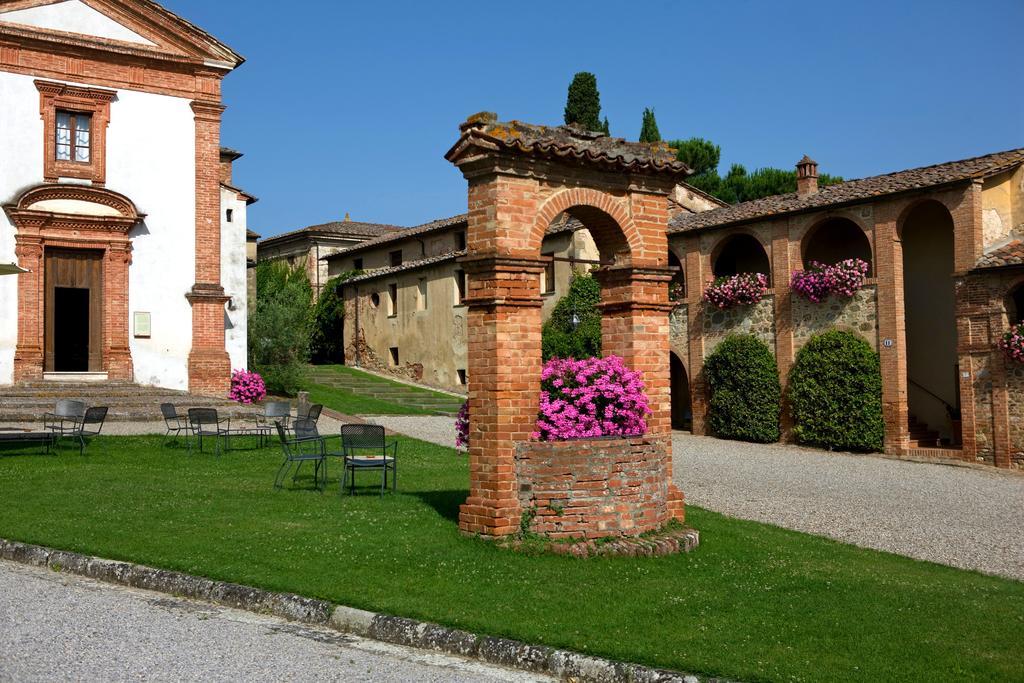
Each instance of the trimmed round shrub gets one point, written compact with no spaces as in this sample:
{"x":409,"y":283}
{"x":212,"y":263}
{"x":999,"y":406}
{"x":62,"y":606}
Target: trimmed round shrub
{"x":743,"y":379}
{"x":835,"y":393}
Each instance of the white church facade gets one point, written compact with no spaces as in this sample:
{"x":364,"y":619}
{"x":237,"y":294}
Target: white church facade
{"x":117,"y":198}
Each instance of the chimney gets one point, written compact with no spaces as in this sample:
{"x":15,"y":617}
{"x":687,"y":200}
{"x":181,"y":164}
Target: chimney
{"x":347,"y":219}
{"x":227,"y":158}
{"x":806,"y":177}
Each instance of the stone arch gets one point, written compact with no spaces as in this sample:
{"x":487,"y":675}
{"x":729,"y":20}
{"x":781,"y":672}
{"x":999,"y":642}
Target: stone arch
{"x":740,"y":252}
{"x":834,"y":239}
{"x":681,"y":396}
{"x":1014,"y":302}
{"x":605,"y":217}
{"x":679,"y":273}
{"x":927,"y":242}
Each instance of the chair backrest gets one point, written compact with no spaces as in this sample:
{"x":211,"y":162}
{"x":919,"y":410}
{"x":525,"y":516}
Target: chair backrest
{"x":168,"y":411}
{"x":95,"y":415}
{"x":272,"y":409}
{"x":305,"y":429}
{"x":198,"y":417}
{"x":282,"y":435}
{"x":314,"y":412}
{"x":362,"y":436}
{"x":69,"y":408}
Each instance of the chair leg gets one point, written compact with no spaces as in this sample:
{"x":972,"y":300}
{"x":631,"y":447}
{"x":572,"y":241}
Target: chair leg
{"x":282,"y":472}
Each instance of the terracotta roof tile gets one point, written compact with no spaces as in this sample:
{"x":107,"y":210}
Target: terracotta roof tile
{"x":1010,"y":254}
{"x":354,"y":229}
{"x":852,"y":191}
{"x":566,"y":143}
{"x":377,"y":273}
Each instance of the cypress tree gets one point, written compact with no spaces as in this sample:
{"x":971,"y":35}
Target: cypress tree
{"x":583,"y":105}
{"x":649,"y":128}
{"x":605,"y":128}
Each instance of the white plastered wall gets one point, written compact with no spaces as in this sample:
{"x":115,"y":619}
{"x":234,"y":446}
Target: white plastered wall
{"x":233,"y":276}
{"x":151,"y":160}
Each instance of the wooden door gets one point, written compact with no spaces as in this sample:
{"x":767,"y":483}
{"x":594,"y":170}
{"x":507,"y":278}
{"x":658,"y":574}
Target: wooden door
{"x":73,"y":269}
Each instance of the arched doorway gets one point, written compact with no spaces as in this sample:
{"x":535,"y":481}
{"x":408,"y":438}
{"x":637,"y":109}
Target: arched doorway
{"x":682,"y":412}
{"x":929,"y":306}
{"x":1015,"y":305}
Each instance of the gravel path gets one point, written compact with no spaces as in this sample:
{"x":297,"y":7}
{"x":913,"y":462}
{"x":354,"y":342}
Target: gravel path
{"x":65,"y":627}
{"x":960,"y":516}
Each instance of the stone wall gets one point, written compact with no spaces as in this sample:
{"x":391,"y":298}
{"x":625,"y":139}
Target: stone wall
{"x":593,"y":488}
{"x":758,"y":320}
{"x":679,"y":331}
{"x":982,"y":380}
{"x":858,"y":314}
{"x":1015,"y":396}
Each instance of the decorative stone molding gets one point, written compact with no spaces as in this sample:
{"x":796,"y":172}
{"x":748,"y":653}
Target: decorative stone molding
{"x":95,"y":102}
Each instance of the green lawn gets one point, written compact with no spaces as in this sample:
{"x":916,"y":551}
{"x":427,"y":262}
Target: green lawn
{"x":355,"y":403}
{"x":753,"y":602}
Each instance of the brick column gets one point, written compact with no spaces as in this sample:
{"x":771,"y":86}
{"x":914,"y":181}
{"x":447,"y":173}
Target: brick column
{"x":892,"y":326}
{"x":697,"y":270}
{"x":782,"y":266}
{"x":118,"y":356}
{"x":28,"y":354}
{"x":209,"y":367}
{"x":504,"y":363}
{"x":635,"y":326}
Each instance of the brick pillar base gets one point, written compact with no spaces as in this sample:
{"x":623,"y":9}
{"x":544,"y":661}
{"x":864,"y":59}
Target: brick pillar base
{"x":209,"y":366}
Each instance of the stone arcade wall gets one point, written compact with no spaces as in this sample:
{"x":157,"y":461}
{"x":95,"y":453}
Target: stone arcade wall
{"x":858,"y":314}
{"x":758,"y":320}
{"x":679,"y":331}
{"x":592,"y":488}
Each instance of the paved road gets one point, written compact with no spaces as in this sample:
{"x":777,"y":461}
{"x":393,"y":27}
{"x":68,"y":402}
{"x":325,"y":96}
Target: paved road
{"x":65,"y":627}
{"x":960,"y":516}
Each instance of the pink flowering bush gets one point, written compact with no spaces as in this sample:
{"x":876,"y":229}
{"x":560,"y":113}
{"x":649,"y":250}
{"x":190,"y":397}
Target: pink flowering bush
{"x":819,"y":281}
{"x":462,"y":427}
{"x":736,"y":290}
{"x":247,"y":387}
{"x":589,"y":398}
{"x":1012,"y":343}
{"x":676,"y":293}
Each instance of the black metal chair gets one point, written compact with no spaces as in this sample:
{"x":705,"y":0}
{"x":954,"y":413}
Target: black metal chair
{"x":365,"y":448}
{"x":204,"y":422}
{"x":176,"y":424}
{"x":66,"y":417}
{"x":276,"y":412}
{"x":312,"y":413}
{"x":306,"y":446}
{"x":90,"y":426}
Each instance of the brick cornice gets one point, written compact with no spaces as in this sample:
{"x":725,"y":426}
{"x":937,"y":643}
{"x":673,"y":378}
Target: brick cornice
{"x":208,"y":110}
{"x":56,"y":89}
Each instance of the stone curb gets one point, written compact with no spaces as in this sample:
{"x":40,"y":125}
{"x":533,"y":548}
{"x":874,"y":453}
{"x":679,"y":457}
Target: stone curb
{"x":396,"y":630}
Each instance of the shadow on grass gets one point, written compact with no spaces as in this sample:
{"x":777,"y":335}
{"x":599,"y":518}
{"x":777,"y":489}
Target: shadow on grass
{"x":445,"y":503}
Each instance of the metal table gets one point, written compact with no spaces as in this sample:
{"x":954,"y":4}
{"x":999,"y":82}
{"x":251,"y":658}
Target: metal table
{"x":20,"y":435}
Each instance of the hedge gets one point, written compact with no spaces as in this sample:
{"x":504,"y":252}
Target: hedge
{"x":835,"y":393}
{"x":743,"y":379}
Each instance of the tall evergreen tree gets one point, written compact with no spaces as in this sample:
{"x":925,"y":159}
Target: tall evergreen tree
{"x":604,"y":127}
{"x":583,"y":104}
{"x":649,"y":128}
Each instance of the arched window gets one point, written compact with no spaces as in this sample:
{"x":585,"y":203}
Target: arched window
{"x":677,"y":289}
{"x":835,"y":240}
{"x":1015,"y":304}
{"x":741,"y":253}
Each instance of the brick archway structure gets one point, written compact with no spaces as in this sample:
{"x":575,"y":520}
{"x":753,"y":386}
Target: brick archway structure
{"x":520,"y":178}
{"x":80,"y":219}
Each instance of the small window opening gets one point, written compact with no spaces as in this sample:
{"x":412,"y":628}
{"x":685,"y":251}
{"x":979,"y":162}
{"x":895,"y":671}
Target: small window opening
{"x":462,"y":376}
{"x":231,"y":215}
{"x":396,"y":258}
{"x":460,"y":241}
{"x":357,"y":264}
{"x":392,"y":300}
{"x":421,"y":294}
{"x":548,"y":278}
{"x":393,"y":352}
{"x":460,"y":287}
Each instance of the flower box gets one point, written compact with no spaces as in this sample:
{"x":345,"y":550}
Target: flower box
{"x":1012,"y":343}
{"x":744,"y":289}
{"x":820,"y":281}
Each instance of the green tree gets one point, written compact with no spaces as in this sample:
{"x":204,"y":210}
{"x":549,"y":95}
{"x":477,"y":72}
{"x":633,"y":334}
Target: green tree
{"x":560,"y":338}
{"x":745,"y":392}
{"x":279,"y":326}
{"x":649,"y":128}
{"x":835,"y":393}
{"x":699,"y":154}
{"x":605,"y":127}
{"x":326,"y":327}
{"x":583,"y":104}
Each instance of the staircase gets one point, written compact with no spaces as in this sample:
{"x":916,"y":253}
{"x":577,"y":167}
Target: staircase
{"x":365,"y":384}
{"x":28,"y":401}
{"x":921,"y":435}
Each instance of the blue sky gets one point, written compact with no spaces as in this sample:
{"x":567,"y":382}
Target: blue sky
{"x":350,"y":107}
